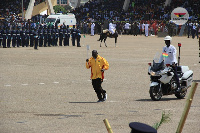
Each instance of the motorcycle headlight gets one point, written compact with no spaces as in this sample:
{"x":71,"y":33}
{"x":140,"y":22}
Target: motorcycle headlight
{"x":152,"y":73}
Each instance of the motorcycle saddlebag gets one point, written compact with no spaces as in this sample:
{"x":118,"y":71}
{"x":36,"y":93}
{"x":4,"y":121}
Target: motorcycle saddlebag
{"x":187,"y":78}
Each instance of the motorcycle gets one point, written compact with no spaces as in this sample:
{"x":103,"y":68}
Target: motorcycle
{"x":163,"y":81}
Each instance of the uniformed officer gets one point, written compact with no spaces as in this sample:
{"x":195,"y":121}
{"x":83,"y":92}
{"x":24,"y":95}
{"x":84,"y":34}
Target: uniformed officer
{"x":189,"y":26}
{"x":23,"y":36}
{"x":53,"y":34}
{"x":13,"y":34}
{"x":73,"y":34}
{"x":61,"y":35}
{"x":137,"y":127}
{"x":0,"y":36}
{"x":78,"y":37}
{"x":18,"y":37}
{"x":56,"y":35}
{"x":8,"y":32}
{"x":4,"y":37}
{"x":40,"y":36}
{"x":49,"y":36}
{"x":66,"y":32}
{"x":31,"y":32}
{"x":35,"y":34}
{"x":194,"y":28}
{"x":45,"y":35}
{"x":27,"y":36}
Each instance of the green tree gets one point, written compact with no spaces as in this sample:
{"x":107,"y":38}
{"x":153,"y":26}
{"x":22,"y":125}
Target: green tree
{"x":68,"y":8}
{"x":59,"y":9}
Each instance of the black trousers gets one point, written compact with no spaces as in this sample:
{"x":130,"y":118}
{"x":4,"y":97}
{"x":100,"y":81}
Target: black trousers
{"x":98,"y":89}
{"x":175,"y":75}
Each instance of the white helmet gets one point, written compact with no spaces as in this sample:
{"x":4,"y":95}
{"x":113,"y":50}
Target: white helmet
{"x":168,"y":38}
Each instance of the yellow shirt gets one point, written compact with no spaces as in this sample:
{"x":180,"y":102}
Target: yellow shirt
{"x":96,"y":66}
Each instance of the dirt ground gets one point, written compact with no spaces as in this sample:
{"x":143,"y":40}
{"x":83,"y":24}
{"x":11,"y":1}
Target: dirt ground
{"x":49,"y":90}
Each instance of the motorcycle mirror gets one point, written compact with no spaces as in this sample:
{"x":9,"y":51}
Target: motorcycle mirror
{"x":179,"y":44}
{"x":149,"y":64}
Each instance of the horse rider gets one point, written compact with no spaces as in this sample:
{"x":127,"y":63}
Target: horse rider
{"x":111,"y":27}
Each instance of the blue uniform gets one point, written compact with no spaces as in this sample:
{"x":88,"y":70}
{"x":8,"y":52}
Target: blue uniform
{"x":27,"y":37}
{"x":4,"y":38}
{"x":13,"y":34}
{"x":61,"y":36}
{"x":66,"y":37}
{"x":8,"y":38}
{"x":56,"y":36}
{"x":78,"y":36}
{"x":35,"y":34}
{"x":49,"y":37}
{"x":40,"y":37}
{"x":18,"y":38}
{"x":45,"y":34}
{"x":31,"y":32}
{"x":0,"y":36}
{"x":23,"y":37}
{"x":73,"y":33}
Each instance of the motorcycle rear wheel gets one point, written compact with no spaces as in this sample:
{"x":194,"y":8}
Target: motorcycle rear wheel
{"x":155,"y":94}
{"x":181,"y":95}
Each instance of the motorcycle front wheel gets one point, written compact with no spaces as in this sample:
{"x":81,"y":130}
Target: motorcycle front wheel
{"x":181,"y":95}
{"x":155,"y":93}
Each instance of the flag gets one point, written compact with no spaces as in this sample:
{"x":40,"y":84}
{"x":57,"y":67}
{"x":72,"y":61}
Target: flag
{"x":165,"y":54}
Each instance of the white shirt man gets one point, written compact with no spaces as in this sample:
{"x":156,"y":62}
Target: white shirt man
{"x":146,"y":29}
{"x":169,"y":52}
{"x":111,"y":28}
{"x":92,"y":29}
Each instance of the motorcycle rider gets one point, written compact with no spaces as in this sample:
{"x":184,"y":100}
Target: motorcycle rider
{"x":171,"y":51}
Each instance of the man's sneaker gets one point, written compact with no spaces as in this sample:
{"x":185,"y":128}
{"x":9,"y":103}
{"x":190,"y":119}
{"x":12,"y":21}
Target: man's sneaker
{"x":100,"y":101}
{"x":105,"y":97}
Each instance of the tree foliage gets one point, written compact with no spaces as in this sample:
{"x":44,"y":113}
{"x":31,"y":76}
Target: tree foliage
{"x":59,"y":9}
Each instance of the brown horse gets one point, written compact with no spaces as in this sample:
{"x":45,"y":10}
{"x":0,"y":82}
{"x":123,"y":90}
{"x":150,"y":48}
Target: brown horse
{"x":106,"y":33}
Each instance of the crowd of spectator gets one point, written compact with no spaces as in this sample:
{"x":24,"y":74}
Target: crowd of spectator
{"x":153,"y":12}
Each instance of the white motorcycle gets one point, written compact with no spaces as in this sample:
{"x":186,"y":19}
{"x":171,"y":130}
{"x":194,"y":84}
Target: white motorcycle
{"x":163,"y":81}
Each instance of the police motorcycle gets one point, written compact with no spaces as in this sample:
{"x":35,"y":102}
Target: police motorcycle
{"x":163,"y":81}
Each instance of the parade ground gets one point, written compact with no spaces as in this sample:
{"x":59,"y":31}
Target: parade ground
{"x":49,"y":90}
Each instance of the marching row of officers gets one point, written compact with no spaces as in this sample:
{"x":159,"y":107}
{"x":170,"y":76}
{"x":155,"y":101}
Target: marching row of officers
{"x":44,"y":36}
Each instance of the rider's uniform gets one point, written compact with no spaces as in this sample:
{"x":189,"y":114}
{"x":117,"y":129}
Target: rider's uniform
{"x":171,"y":52}
{"x":111,"y":28}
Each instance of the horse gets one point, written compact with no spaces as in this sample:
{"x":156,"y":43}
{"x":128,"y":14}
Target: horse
{"x":106,"y":33}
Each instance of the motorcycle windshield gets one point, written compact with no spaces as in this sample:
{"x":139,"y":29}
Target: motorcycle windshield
{"x":158,"y":64}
